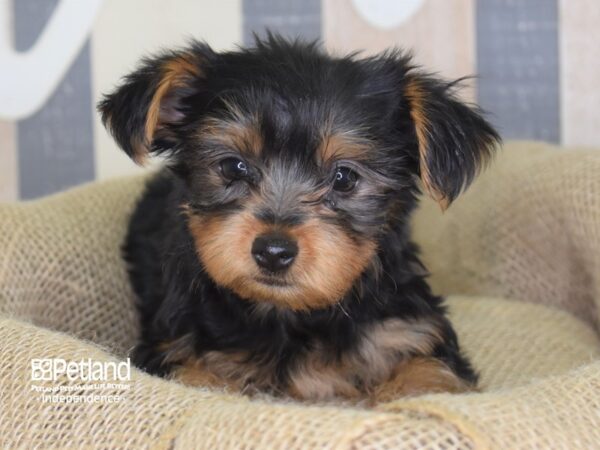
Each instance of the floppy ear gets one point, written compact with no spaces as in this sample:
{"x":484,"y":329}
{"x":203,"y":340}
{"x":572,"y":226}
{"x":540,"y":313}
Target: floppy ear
{"x":454,"y":140}
{"x":143,"y":111}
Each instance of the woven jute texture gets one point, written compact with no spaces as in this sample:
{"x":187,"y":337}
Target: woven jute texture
{"x":529,"y":230}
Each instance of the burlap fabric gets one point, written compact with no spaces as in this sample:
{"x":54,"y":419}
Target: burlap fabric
{"x":528,"y":230}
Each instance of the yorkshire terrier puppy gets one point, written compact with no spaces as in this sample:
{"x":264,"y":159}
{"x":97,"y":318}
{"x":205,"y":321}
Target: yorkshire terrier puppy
{"x":273,"y":252}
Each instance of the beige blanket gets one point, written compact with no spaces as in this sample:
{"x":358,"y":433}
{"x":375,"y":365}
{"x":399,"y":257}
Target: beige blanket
{"x":528,"y":230}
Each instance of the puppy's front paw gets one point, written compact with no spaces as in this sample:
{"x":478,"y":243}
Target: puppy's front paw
{"x":417,"y":376}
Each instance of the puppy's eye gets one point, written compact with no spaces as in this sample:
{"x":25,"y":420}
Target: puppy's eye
{"x":234,"y":169}
{"x":345,"y":179}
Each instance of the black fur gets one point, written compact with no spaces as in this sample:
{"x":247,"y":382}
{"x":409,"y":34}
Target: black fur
{"x":294,"y":87}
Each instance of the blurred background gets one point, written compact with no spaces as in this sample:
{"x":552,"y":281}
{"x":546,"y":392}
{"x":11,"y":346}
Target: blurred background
{"x":537,"y":61}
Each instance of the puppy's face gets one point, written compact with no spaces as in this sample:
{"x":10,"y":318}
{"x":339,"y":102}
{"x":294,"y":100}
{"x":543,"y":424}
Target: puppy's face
{"x":286,"y":206}
{"x":296,"y":165}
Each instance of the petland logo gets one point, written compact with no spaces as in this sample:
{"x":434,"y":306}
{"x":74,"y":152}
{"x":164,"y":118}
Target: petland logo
{"x":86,"y":370}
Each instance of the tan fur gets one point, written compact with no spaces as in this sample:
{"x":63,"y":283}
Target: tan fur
{"x":380,"y":366}
{"x":418,"y":376}
{"x":193,"y":373}
{"x":416,"y":98}
{"x":178,"y":349}
{"x":230,"y":370}
{"x":224,"y":247}
{"x":395,"y":336}
{"x":175,"y":73}
{"x":340,"y":145}
{"x":319,"y":378}
{"x":237,"y":132}
{"x":327,"y":264}
{"x":358,"y":373}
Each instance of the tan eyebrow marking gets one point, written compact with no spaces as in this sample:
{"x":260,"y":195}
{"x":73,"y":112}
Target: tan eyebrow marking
{"x":238,"y":130}
{"x":343,"y":145}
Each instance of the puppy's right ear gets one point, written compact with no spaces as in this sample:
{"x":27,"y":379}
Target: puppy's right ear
{"x":143,"y":112}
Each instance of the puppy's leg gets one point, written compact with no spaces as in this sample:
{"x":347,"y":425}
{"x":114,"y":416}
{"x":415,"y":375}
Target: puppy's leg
{"x":420,"y":375}
{"x":194,"y":373}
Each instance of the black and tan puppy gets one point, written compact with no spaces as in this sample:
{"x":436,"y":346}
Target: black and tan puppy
{"x":273,"y":253}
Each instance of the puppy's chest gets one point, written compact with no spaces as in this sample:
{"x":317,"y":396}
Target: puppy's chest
{"x":318,"y":373}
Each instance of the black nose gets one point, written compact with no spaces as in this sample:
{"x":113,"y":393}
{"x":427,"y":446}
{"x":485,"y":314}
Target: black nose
{"x":274,"y":252}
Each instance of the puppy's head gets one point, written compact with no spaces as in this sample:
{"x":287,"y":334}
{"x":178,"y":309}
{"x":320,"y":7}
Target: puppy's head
{"x":297,"y":164}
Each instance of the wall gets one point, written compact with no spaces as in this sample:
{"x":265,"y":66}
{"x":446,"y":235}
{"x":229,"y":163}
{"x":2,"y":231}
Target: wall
{"x":536,"y":60}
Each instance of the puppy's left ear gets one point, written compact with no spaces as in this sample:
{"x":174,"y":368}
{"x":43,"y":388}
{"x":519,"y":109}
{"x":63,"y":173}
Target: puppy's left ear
{"x":453,"y":139}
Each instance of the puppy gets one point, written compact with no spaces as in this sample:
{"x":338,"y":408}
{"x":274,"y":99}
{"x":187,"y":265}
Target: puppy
{"x":273,"y":253}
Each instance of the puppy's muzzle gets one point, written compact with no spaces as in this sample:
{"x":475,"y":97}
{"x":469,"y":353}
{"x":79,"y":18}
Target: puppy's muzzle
{"x":274,"y":252}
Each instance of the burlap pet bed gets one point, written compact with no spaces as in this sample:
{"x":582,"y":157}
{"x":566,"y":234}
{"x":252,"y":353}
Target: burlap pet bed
{"x":529,"y":230}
